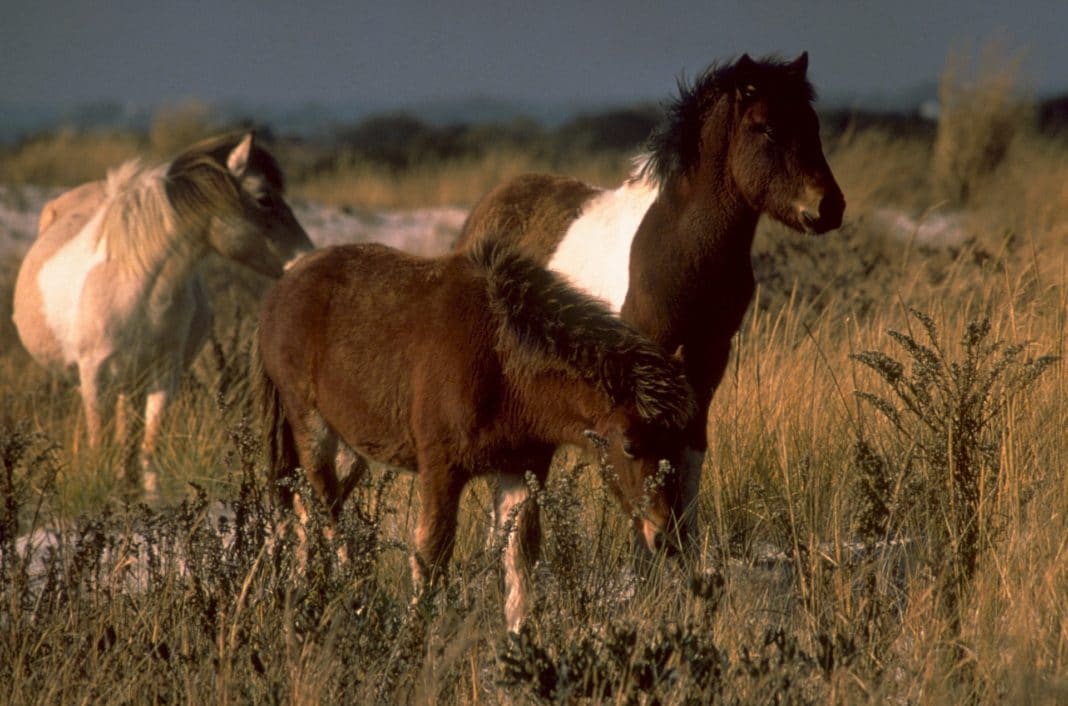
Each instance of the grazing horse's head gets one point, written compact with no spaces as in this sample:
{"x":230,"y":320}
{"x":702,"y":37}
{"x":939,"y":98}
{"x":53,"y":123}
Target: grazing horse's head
{"x":257,"y":228}
{"x":634,"y":454}
{"x":749,"y":127}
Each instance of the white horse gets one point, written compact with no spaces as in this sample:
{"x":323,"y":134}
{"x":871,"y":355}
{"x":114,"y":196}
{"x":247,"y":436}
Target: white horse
{"x":111,"y":285}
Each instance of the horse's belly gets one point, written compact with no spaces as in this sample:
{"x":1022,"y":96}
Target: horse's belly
{"x":48,"y":291}
{"x":400,"y":458}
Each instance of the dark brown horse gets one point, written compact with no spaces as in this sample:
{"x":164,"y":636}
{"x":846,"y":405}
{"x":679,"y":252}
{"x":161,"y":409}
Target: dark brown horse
{"x":456,"y":367}
{"x":670,"y":248}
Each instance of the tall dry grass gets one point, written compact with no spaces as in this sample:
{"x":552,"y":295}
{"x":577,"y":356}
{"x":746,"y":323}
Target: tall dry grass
{"x":982,"y":112}
{"x":846,"y":557}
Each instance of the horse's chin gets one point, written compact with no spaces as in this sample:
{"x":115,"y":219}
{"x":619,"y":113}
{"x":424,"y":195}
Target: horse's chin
{"x":806,"y":224}
{"x":655,"y":539}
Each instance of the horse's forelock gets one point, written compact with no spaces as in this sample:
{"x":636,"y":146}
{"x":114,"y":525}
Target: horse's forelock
{"x":218,"y":149}
{"x":548,"y":323}
{"x":673,"y":146}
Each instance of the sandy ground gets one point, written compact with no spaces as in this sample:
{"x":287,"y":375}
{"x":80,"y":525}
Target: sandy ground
{"x":424,"y":231}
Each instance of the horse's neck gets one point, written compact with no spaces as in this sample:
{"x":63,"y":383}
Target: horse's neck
{"x":160,"y":265}
{"x":691,"y":260}
{"x":180,"y":262}
{"x":556,"y":407}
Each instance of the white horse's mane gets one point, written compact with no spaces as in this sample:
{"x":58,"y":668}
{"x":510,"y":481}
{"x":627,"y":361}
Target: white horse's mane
{"x":138,"y":220}
{"x":141,"y":223}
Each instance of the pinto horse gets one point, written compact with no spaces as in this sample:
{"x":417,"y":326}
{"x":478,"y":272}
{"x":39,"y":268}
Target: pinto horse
{"x":670,"y":248}
{"x":456,"y":367}
{"x":110,"y":286}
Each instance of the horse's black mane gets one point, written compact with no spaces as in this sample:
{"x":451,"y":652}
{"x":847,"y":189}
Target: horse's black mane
{"x":674,"y":145}
{"x":551,"y":320}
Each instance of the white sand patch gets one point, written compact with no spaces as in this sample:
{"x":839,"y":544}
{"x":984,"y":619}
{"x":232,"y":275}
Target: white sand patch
{"x":422,"y":231}
{"x":19,"y":208}
{"x":930,"y":228}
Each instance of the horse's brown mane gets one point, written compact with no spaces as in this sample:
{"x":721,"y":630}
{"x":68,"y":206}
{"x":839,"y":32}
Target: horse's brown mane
{"x":551,"y":322}
{"x":673,"y":147}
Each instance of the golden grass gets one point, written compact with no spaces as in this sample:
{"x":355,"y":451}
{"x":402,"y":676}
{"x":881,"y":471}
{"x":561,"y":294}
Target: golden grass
{"x":451,"y":183}
{"x":67,"y":158}
{"x":781,"y":472}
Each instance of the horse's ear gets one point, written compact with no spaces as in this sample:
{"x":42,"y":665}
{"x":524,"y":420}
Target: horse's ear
{"x":745,"y":66}
{"x":799,"y":65}
{"x":237,"y":162}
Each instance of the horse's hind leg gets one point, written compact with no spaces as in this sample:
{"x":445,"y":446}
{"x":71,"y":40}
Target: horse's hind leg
{"x":317,"y":446}
{"x":518,"y":526}
{"x":355,"y":468}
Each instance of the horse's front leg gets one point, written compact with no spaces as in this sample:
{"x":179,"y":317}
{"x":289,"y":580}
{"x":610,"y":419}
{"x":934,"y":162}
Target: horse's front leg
{"x":704,"y":363}
{"x":162,"y":384}
{"x":440,"y":486}
{"x":91,"y":378}
{"x":519,"y":525}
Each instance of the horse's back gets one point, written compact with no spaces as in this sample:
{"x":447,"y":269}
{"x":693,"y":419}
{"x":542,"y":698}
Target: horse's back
{"x":532,"y":212}
{"x":77,"y":204}
{"x":362,"y":335}
{"x":62,"y":220}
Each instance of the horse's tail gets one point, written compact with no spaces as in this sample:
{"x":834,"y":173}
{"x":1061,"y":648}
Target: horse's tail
{"x":277,"y":445}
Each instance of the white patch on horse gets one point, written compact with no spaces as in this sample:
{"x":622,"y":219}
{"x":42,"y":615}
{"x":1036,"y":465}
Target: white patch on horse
{"x":62,"y":278}
{"x":595,"y":252}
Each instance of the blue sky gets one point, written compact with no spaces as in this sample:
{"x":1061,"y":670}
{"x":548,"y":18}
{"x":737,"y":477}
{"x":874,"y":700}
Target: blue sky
{"x":399,"y":52}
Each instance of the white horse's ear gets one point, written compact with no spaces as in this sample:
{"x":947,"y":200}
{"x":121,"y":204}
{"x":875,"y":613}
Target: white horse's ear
{"x":237,"y":162}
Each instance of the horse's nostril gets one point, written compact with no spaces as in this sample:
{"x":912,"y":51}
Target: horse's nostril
{"x":808,"y":218}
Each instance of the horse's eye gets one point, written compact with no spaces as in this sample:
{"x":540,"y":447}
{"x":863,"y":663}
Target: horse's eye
{"x":769,"y":132}
{"x":629,"y":450}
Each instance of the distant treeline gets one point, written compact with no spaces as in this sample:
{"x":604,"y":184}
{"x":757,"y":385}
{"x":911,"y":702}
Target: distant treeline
{"x":402,"y":141}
